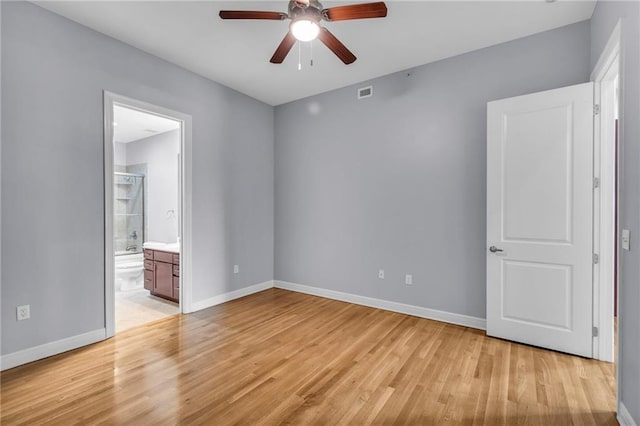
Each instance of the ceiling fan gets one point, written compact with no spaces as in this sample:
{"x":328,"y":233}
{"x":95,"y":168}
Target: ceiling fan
{"x":305,"y":16}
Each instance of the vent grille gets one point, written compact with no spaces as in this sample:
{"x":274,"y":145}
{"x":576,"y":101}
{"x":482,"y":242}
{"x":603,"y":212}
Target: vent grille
{"x":365,"y":92}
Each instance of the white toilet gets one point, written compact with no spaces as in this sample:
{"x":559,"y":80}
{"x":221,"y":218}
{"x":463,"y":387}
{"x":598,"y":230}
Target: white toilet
{"x":129,"y":271}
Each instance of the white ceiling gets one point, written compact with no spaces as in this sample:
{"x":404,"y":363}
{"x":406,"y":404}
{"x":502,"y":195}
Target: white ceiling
{"x":131,"y":125}
{"x":236,"y":53}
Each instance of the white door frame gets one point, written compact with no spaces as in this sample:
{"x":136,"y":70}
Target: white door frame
{"x":185,"y":228}
{"x":604,"y":232}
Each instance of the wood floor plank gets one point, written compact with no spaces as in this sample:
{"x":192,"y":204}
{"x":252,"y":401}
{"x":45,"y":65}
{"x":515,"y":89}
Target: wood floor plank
{"x":279,"y":357}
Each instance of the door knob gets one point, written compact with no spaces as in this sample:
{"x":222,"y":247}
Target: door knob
{"x":494,"y":249}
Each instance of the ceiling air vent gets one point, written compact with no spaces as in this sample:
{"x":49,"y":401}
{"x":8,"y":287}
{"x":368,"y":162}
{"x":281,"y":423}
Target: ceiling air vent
{"x":365,"y":92}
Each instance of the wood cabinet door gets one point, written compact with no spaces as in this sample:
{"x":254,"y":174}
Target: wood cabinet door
{"x":148,"y":278}
{"x":176,"y":287}
{"x":163,"y":279}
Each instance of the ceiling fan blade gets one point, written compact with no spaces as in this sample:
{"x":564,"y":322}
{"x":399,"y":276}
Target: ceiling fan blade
{"x":336,"y":46}
{"x":355,"y":11}
{"x":249,"y":14}
{"x":283,"y":49}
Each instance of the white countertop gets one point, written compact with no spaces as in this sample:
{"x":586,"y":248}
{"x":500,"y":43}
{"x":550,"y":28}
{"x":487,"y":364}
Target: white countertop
{"x":171,"y":247}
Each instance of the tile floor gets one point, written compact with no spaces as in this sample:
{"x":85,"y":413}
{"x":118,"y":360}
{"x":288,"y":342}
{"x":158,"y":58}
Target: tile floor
{"x":137,"y":307}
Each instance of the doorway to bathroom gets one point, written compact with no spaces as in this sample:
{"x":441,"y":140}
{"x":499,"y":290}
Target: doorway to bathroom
{"x":147,"y":222}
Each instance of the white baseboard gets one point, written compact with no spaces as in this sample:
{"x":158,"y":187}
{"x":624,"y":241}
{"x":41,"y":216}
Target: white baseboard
{"x":52,"y":348}
{"x":417,"y":311}
{"x":624,"y":417}
{"x":236,"y":294}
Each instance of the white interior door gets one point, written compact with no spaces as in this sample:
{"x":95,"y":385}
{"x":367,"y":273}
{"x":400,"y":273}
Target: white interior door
{"x":539,"y":219}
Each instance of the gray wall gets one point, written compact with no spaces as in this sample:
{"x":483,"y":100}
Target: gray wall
{"x":160,"y":154}
{"x":397,"y":181}
{"x":605,"y":17}
{"x":53,"y":75}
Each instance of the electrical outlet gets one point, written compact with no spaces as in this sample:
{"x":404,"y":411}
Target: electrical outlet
{"x":408,"y":279}
{"x":381,"y":274}
{"x":23,"y":312}
{"x":236,"y":269}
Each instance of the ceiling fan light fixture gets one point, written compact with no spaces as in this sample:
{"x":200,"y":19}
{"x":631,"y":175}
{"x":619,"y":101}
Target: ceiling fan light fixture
{"x":305,"y":30}
{"x":305,"y":16}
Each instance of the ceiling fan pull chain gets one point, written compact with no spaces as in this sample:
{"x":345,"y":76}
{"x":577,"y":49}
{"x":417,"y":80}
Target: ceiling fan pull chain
{"x":299,"y":56}
{"x":311,"y":53}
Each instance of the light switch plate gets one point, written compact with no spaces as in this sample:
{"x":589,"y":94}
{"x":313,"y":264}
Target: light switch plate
{"x":626,"y":239}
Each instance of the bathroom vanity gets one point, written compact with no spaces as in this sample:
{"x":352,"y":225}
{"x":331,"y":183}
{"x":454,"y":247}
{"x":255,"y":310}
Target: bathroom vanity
{"x":162,"y":273}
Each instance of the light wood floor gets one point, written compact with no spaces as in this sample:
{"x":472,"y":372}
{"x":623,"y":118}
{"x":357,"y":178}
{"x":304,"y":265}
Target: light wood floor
{"x":283,"y":357}
{"x":137,"y":307}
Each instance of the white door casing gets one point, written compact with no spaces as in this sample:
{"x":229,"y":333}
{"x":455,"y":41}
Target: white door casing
{"x":185,"y":191}
{"x":606,"y":76}
{"x":540,"y":214}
